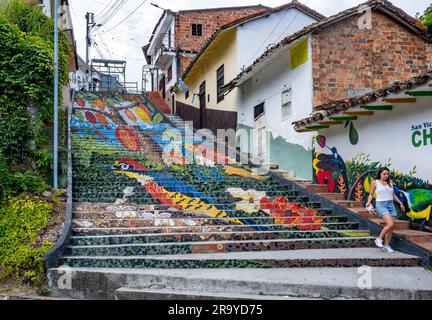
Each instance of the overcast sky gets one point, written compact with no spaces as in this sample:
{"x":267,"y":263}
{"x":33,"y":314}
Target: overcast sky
{"x":125,"y":41}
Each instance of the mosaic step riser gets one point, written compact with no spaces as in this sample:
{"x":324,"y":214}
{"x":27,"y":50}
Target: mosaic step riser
{"x":223,"y":204}
{"x":197,"y":215}
{"x":142,"y":230}
{"x":269,"y":191}
{"x":176,"y":237}
{"x":158,"y":224}
{"x":164,"y":209}
{"x":213,"y":264}
{"x":104,"y":191}
{"x":187,"y":248}
{"x":201,"y":229}
{"x":220,"y":206}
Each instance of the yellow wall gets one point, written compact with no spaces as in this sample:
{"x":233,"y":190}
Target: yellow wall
{"x":222,"y":51}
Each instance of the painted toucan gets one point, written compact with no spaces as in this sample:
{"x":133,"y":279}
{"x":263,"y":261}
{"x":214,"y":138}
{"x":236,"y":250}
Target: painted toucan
{"x":419,"y":203}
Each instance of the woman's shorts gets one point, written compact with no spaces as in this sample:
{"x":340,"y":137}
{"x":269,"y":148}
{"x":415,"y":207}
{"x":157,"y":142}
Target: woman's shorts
{"x":386,"y":207}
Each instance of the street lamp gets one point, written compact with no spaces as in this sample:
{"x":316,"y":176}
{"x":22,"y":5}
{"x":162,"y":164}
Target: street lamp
{"x":56,"y":81}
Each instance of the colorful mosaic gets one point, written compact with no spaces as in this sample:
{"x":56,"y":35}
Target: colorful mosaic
{"x":137,"y":193}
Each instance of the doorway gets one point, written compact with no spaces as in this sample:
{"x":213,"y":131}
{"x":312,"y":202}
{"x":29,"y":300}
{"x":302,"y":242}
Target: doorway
{"x":202,"y":101}
{"x":260,"y":145}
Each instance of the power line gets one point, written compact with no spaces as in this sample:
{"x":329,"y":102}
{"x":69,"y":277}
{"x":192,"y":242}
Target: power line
{"x":103,"y":13}
{"x":142,"y":3}
{"x":117,"y":6}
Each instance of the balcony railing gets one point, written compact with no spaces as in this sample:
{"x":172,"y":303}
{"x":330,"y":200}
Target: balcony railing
{"x":165,"y":45}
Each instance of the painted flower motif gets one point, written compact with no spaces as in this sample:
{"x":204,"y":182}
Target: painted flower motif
{"x":126,"y":214}
{"x":250,"y":199}
{"x":291,"y":214}
{"x":160,"y":219}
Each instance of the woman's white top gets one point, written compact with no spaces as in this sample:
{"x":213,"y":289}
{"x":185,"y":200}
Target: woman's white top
{"x":383,"y":193}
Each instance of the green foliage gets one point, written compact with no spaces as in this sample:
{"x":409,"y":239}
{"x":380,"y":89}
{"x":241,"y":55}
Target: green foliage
{"x":44,"y":290}
{"x":26,"y":182}
{"x":27,"y":65}
{"x":426,"y":17}
{"x":5,"y":177}
{"x":44,"y":161}
{"x":21,"y":221}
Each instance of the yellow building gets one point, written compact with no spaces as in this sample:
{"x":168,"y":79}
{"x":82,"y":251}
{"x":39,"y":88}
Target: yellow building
{"x":233,"y":47}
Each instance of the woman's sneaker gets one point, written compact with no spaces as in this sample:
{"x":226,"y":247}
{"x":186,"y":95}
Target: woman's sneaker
{"x":379,"y":243}
{"x":388,"y":249}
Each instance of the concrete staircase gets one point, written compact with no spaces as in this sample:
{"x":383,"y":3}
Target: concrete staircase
{"x":402,"y":227}
{"x":132,"y":214}
{"x":157,"y":100}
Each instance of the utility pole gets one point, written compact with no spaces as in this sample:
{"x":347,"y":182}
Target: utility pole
{"x":89,"y":25}
{"x":56,"y":94}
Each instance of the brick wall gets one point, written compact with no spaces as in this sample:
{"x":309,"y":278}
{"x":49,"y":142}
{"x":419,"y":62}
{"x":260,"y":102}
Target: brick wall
{"x":348,"y":61}
{"x":211,"y":21}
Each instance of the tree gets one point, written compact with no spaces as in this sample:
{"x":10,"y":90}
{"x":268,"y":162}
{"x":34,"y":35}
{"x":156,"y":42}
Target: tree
{"x":426,"y":17}
{"x":26,"y":86}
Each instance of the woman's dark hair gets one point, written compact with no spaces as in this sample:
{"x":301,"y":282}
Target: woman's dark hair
{"x":380,"y":171}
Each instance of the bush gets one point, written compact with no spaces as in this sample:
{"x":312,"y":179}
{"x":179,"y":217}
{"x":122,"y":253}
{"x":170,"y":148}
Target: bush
{"x":28,"y":182}
{"x":26,"y":59}
{"x":5,"y":177}
{"x":21,"y":221}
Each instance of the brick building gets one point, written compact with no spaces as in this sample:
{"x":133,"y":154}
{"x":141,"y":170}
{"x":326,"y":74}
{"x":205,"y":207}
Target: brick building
{"x":354,"y":53}
{"x":177,"y":38}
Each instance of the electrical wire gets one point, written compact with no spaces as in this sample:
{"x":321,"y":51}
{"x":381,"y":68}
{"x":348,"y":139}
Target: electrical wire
{"x":142,"y":3}
{"x":112,"y":12}
{"x":104,"y":11}
{"x":116,"y":8}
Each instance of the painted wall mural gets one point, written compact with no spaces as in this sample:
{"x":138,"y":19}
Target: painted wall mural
{"x":354,"y":178}
{"x":329,"y":167}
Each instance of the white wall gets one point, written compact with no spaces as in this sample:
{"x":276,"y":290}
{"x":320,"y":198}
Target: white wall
{"x":291,"y":150}
{"x":254,"y":37}
{"x":388,"y":135}
{"x":267,"y":86}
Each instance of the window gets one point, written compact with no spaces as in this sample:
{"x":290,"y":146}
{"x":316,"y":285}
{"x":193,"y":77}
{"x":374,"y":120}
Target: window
{"x":258,"y":110}
{"x":197,"y":30}
{"x":220,"y":81}
{"x":169,"y":75}
{"x":286,"y":103}
{"x":187,"y":95}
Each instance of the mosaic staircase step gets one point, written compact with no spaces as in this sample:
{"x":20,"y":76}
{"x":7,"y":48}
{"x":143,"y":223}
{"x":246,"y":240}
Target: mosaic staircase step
{"x":214,"y":200}
{"x":221,"y":206}
{"x":277,"y":227}
{"x":223,"y":246}
{"x":199,"y":224}
{"x":267,"y":259}
{"x":129,"y":212}
{"x":276,"y":191}
{"x":165,"y":237}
